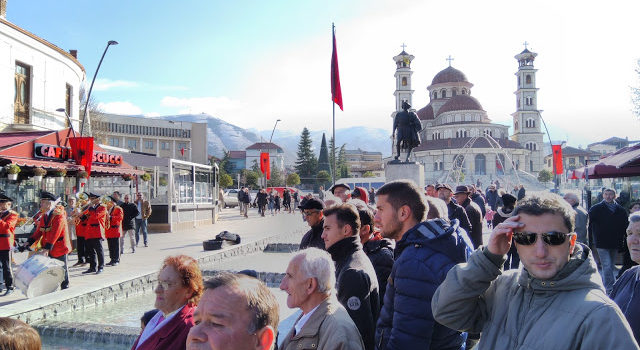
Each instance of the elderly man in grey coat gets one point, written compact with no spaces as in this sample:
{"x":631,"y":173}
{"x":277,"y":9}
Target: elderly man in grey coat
{"x":582,"y":217}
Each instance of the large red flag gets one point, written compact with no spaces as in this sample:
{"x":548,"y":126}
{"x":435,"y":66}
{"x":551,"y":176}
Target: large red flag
{"x":82,"y":148}
{"x":557,"y":159}
{"x":336,"y":91}
{"x":265,"y":167}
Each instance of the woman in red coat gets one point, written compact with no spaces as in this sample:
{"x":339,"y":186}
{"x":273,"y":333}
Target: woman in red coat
{"x":177,"y":294}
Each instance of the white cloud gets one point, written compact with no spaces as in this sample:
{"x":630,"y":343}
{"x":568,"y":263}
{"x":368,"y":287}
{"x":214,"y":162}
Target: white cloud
{"x":108,"y":84}
{"x":216,"y":106}
{"x":152,"y":114}
{"x":120,"y":107}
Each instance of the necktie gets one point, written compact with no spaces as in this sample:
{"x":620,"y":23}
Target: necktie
{"x":161,"y":319}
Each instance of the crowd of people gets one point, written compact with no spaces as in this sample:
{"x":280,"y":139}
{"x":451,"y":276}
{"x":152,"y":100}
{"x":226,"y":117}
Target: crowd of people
{"x":410,"y":272}
{"x":86,"y":222}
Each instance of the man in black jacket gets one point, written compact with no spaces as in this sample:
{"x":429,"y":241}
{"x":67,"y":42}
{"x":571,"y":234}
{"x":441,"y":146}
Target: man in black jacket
{"x":130,"y":211}
{"x":356,"y":281}
{"x":261,"y":199}
{"x":312,"y":211}
{"x":478,"y":199}
{"x":473,"y":212}
{"x":455,"y":211}
{"x":608,"y":222}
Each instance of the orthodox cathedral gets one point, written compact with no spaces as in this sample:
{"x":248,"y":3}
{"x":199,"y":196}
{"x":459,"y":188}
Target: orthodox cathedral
{"x":457,"y":133}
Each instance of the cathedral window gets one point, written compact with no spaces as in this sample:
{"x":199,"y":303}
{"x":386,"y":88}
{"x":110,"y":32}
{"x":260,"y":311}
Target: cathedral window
{"x":454,"y":92}
{"x":464,"y":91}
{"x":435,"y":166}
{"x":404,"y":81}
{"x":443,"y":93}
{"x":435,"y":95}
{"x":528,"y":79}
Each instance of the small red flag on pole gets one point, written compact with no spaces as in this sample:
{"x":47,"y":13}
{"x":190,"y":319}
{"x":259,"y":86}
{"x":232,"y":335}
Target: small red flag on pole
{"x":336,"y":91}
{"x":557,"y":158}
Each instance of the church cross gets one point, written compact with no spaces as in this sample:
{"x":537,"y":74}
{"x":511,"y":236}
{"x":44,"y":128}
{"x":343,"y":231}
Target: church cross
{"x":403,"y":46}
{"x":525,"y":45}
{"x":450,"y":59}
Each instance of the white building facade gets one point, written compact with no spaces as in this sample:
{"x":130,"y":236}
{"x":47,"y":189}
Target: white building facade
{"x":36,"y":79}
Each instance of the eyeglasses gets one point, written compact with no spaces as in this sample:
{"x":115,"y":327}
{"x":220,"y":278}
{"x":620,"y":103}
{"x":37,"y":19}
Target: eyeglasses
{"x":164,"y":285}
{"x":551,"y":238}
{"x":309,"y":213}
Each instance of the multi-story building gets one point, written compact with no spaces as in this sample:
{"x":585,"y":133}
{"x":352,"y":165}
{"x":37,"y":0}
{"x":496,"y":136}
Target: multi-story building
{"x":163,"y":138}
{"x":276,"y":154}
{"x":572,"y":158}
{"x":36,"y":79}
{"x":360,"y":162}
{"x":609,"y":145}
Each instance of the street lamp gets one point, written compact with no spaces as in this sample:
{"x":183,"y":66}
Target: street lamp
{"x":268,"y":151}
{"x":64,"y":110}
{"x":86,"y":105}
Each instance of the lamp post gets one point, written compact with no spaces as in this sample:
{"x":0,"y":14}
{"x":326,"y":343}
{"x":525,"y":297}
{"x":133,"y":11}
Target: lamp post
{"x":63,"y":110}
{"x":268,"y":151}
{"x":86,"y":105}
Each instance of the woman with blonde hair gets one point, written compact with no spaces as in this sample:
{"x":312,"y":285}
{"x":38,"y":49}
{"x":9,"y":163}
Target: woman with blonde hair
{"x":17,"y":335}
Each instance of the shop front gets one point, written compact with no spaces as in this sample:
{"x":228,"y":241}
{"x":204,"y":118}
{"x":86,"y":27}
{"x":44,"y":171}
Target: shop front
{"x":43,"y":160}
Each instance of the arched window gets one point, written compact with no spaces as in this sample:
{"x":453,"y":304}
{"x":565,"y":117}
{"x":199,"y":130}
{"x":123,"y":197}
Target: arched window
{"x":464,"y":91}
{"x":454,"y":92}
{"x":404,"y":81}
{"x":443,"y":93}
{"x":528,"y":79}
{"x":435,"y":95}
{"x":481,"y":164}
{"x":435,"y":166}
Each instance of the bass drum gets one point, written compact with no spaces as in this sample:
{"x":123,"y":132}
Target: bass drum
{"x":39,"y":275}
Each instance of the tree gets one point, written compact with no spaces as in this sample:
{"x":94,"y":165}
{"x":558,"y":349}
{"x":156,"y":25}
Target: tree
{"x":249,"y":178}
{"x":368,"y":174}
{"x":225,"y":180}
{"x":332,"y":155}
{"x":293,"y":179}
{"x":324,"y":177}
{"x":277,"y":176}
{"x":635,"y":95}
{"x":226,"y":164}
{"x":544,"y":176}
{"x":94,"y":125}
{"x":255,"y":167}
{"x":343,"y":168}
{"x":323,"y":157}
{"x":307,"y":163}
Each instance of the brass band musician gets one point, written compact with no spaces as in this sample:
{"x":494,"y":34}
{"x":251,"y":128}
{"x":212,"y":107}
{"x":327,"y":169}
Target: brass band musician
{"x":8,"y":219}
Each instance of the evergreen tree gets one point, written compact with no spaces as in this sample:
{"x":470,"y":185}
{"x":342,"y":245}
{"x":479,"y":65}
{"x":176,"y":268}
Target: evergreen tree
{"x":277,"y":176}
{"x":332,"y":155}
{"x":225,"y":163}
{"x":343,"y":168}
{"x":323,"y":158}
{"x":307,"y":163}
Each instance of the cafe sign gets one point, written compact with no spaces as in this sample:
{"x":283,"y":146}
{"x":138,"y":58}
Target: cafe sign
{"x":58,"y":153}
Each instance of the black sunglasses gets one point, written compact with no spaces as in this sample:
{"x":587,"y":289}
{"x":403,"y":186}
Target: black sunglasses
{"x":550,"y":238}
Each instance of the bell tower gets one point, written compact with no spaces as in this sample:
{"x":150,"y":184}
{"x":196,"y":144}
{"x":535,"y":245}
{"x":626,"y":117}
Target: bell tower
{"x":403,"y":78}
{"x":526,"y":118}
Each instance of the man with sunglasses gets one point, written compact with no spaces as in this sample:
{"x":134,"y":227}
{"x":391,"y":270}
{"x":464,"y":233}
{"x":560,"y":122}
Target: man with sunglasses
{"x":557,"y":301}
{"x":312,"y":211}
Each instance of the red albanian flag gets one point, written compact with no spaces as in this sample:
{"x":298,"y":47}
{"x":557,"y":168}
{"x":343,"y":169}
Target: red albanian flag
{"x":82,"y":148}
{"x":336,"y":91}
{"x":265,"y":166}
{"x":557,"y":159}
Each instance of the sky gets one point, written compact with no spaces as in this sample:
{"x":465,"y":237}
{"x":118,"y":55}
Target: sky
{"x":252,"y":62}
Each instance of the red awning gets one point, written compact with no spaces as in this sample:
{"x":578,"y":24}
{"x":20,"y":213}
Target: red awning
{"x":99,"y":169}
{"x":623,"y":163}
{"x":42,"y":163}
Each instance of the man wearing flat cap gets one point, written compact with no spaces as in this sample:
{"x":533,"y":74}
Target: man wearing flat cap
{"x":342,"y":191}
{"x":454,"y":210}
{"x":114,"y":230}
{"x":312,"y":210}
{"x":473,"y":212}
{"x":8,"y":219}
{"x":94,"y":233}
{"x":51,"y":230}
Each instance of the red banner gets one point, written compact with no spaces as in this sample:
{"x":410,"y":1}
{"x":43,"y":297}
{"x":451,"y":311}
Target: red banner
{"x":557,"y":159}
{"x":336,"y":91}
{"x":265,"y":166}
{"x":82,"y":148}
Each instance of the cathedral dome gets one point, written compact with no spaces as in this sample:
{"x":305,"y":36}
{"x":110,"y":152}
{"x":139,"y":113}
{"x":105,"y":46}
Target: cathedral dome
{"x":449,"y":75}
{"x":426,"y":113}
{"x":461,"y":103}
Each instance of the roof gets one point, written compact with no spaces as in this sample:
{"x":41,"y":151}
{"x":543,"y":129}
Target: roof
{"x":37,"y":38}
{"x":237,"y":154}
{"x":428,"y":145}
{"x":461,"y":103}
{"x":449,"y":75}
{"x":265,"y":146}
{"x":611,"y":141}
{"x":572,"y":151}
{"x":14,"y":138}
{"x":359,"y":151}
{"x":426,"y":113}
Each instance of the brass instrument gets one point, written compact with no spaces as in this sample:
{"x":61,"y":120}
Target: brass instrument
{"x":82,"y":196}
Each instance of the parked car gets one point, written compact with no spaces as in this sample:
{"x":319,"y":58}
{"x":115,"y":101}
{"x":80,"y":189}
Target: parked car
{"x":231,"y":198}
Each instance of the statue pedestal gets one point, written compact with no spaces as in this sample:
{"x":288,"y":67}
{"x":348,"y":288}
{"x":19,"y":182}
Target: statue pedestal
{"x":395,"y":170}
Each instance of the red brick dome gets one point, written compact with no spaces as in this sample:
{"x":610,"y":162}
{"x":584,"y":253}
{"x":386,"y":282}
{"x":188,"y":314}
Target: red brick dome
{"x":461,"y":103}
{"x":449,"y":75}
{"x":426,"y":113}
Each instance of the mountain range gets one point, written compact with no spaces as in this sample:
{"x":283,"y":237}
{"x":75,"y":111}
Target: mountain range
{"x":223,"y":136}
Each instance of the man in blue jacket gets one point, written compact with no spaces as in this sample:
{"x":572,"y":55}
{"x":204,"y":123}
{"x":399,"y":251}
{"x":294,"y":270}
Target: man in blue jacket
{"x":425,"y":251}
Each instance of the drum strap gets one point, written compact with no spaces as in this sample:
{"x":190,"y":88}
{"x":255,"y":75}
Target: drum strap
{"x":3,"y":235}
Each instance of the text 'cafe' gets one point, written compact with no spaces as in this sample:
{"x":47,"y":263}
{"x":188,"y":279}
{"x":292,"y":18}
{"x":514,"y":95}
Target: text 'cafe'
{"x":32,"y":151}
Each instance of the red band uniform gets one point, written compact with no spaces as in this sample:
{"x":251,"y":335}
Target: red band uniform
{"x":94,"y":234}
{"x":51,"y":230}
{"x":81,"y":245}
{"x":8,"y":219}
{"x":113,"y":233}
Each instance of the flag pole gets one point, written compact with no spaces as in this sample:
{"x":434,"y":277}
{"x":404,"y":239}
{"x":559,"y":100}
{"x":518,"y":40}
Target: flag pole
{"x":333,"y":104}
